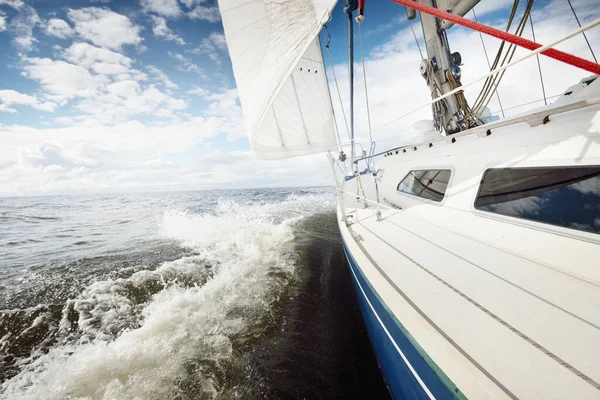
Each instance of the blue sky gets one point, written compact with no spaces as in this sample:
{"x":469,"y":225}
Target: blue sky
{"x":101,"y":95}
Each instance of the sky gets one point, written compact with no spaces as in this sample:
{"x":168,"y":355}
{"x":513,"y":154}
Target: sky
{"x":139,"y":95}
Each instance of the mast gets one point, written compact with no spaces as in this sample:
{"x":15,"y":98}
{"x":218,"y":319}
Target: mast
{"x":442,"y":70}
{"x":351,"y":5}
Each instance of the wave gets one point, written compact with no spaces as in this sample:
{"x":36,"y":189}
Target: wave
{"x":172,"y":331}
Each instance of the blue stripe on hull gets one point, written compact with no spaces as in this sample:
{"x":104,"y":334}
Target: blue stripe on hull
{"x":407,"y":373}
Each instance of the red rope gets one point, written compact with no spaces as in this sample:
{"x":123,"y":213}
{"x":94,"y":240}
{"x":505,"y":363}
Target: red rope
{"x":508,"y":37}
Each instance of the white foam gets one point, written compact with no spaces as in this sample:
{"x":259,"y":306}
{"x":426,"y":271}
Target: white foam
{"x":243,"y":244}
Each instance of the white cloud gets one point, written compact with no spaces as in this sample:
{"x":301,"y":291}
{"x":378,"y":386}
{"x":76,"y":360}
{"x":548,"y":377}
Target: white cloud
{"x":179,"y":149}
{"x":22,"y":26}
{"x":105,"y":28}
{"x":62,"y":81}
{"x":205,"y":13}
{"x":186,"y":64}
{"x":190,"y":3}
{"x":218,"y":39}
{"x":156,"y":158}
{"x":211,"y":46}
{"x":58,"y":159}
{"x":162,"y":77}
{"x":89,"y":56}
{"x":191,"y":67}
{"x":10,"y":97}
{"x":485,"y":7}
{"x":2,"y":21}
{"x":177,"y":56}
{"x":126,"y":99}
{"x":166,"y":8}
{"x":102,"y":61}
{"x":198,"y":91}
{"x":58,"y":28}
{"x":160,"y":29}
{"x":102,"y":84}
{"x":107,"y":91}
{"x":16,"y":4}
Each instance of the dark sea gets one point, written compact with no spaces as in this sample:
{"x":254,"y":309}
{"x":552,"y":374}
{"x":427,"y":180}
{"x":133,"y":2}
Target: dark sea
{"x":224,"y":294}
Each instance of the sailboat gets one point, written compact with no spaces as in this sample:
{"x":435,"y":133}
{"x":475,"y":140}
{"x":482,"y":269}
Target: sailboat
{"x":475,"y":249}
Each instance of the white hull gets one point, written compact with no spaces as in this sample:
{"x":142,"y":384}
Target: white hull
{"x":495,"y":306}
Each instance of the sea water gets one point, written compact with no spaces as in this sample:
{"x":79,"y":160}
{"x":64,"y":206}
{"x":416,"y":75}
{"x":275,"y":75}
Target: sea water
{"x":181,"y":295}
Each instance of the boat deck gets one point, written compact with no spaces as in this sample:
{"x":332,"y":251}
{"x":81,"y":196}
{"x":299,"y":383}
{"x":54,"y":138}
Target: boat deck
{"x":498,"y":323}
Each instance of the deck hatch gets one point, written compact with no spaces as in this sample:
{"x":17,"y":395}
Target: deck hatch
{"x":430,"y":184}
{"x":561,"y":196}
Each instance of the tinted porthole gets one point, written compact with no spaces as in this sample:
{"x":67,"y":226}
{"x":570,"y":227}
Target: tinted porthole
{"x":429,"y":184}
{"x":562,"y":196}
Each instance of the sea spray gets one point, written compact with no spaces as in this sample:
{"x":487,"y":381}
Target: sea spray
{"x":159,"y":333}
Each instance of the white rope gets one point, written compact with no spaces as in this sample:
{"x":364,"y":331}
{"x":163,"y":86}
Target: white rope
{"x":497,"y":70}
{"x":362,"y":56}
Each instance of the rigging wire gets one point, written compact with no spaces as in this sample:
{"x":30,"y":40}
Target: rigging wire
{"x":487,"y":58}
{"x":488,"y":81}
{"x":584,"y":35}
{"x":530,"y":102}
{"x":538,"y":63}
{"x":337,"y":129}
{"x":335,"y":80}
{"x":480,"y":106}
{"x":415,"y":36}
{"x":493,"y":72}
{"x":362,"y":56}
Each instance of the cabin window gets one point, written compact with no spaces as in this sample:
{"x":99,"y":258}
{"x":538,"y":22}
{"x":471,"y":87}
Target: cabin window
{"x":562,"y":196}
{"x":429,"y":184}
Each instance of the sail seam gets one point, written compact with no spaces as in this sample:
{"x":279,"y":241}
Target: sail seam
{"x":300,"y":109}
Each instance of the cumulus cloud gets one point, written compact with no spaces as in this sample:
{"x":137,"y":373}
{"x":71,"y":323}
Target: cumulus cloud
{"x":66,"y":159}
{"x":161,"y":76}
{"x":218,"y":39}
{"x":67,"y":164}
{"x":166,"y":8}
{"x":62,"y":81}
{"x":211,"y":46}
{"x":16,"y":4}
{"x":12,"y":97}
{"x":105,"y":28}
{"x":177,"y":56}
{"x":198,"y":91}
{"x":97,"y":58}
{"x":22,"y":26}
{"x":205,"y":13}
{"x":190,"y":3}
{"x":2,"y":21}
{"x":112,"y":103}
{"x":58,"y":28}
{"x":126,"y":99}
{"x":160,"y":29}
{"x":186,"y":64}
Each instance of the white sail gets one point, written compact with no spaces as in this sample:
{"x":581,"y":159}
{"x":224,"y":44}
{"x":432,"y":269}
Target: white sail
{"x":280,"y":75}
